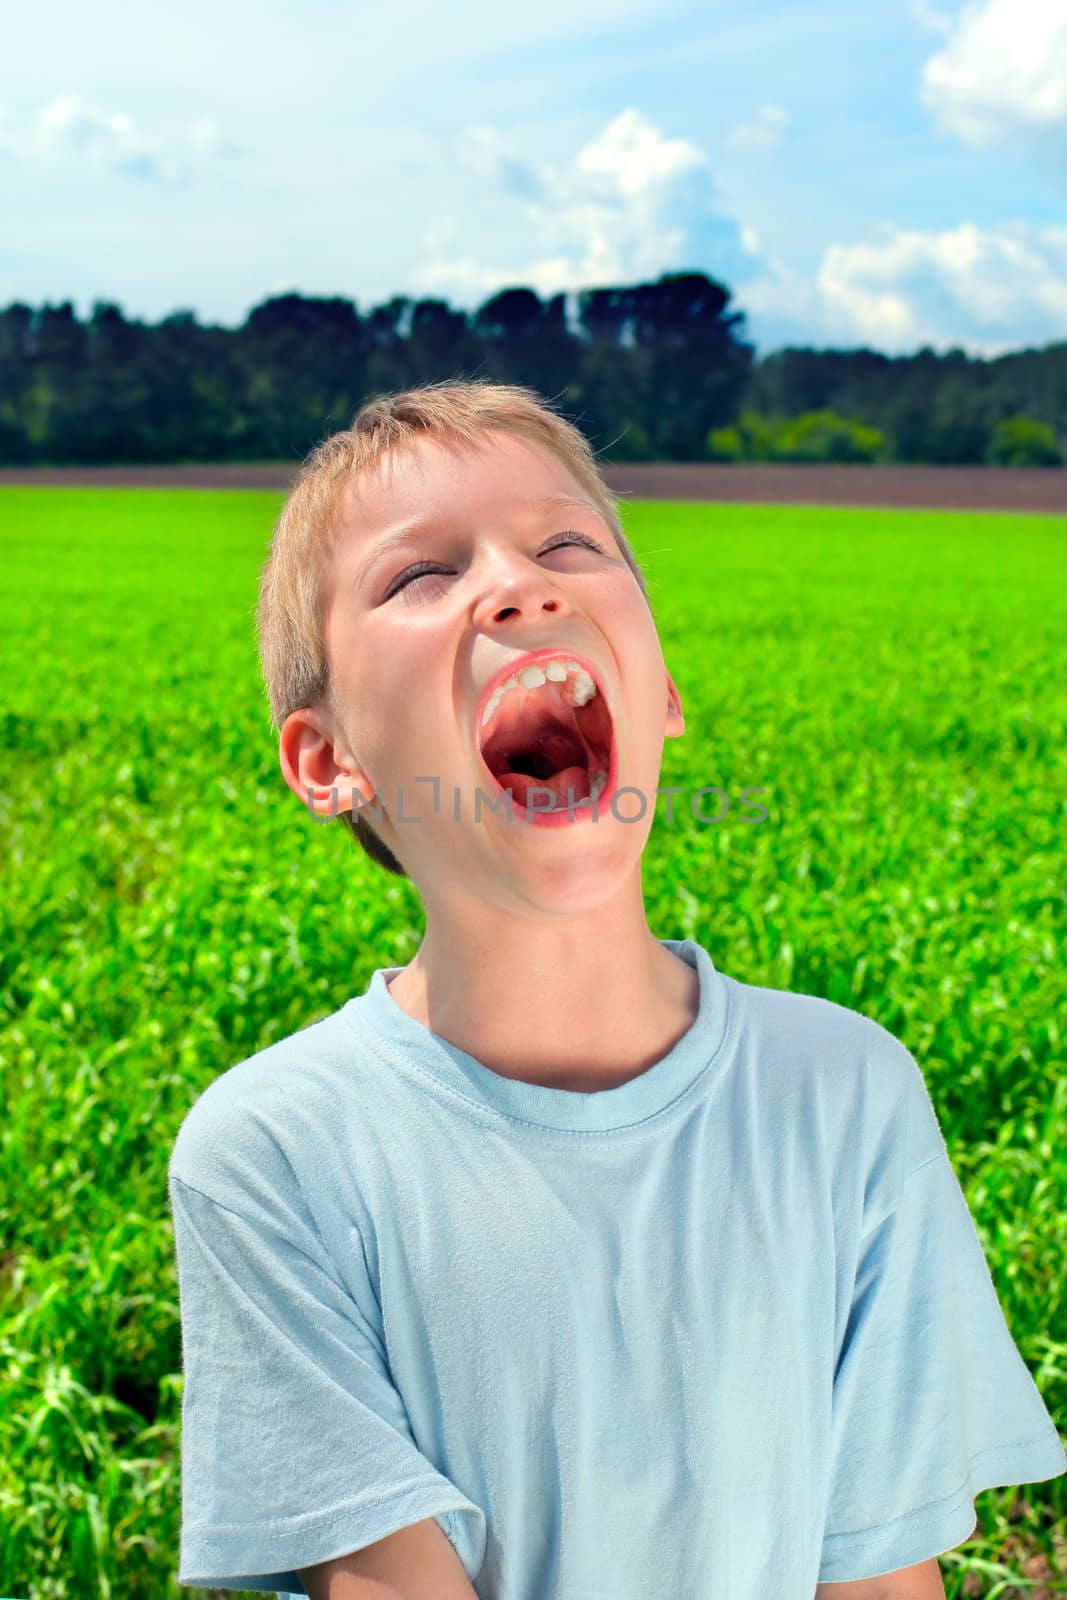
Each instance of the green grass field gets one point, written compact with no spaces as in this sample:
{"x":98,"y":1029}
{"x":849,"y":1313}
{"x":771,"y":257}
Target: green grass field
{"x":887,"y":678}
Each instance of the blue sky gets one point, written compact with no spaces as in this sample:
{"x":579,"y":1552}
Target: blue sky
{"x":890,"y":174}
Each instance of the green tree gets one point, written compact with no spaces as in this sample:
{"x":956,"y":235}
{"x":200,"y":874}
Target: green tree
{"x":827,"y":436}
{"x":821,"y":435}
{"x":1022,"y":441}
{"x":520,"y":340}
{"x":690,"y":362}
{"x":648,"y":371}
{"x":751,"y":438}
{"x":631,"y":444}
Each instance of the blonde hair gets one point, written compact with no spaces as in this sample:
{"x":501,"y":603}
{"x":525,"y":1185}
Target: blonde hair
{"x":292,"y":591}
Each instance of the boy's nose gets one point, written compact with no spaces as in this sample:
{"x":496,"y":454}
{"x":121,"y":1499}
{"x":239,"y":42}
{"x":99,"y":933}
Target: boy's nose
{"x":515,"y":593}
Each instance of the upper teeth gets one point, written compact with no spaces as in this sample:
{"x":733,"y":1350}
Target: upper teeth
{"x":580,"y":688}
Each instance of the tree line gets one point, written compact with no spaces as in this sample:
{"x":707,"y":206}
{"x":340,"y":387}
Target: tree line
{"x":652,"y":372}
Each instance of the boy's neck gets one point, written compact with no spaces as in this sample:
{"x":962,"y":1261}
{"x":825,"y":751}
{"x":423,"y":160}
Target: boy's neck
{"x":554,"y":1005}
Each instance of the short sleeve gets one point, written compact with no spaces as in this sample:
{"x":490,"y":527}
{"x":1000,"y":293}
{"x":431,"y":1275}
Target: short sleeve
{"x":931,"y":1402}
{"x":295,"y":1445}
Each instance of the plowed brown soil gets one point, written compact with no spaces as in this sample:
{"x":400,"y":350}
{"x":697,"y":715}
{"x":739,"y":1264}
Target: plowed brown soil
{"x":960,"y":488}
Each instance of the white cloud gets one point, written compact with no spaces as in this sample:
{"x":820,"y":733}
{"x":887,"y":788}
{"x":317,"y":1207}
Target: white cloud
{"x":69,"y":130}
{"x":982,"y":290}
{"x":763,"y":133}
{"x":1002,"y":73}
{"x":987,"y":290}
{"x":784,"y":302}
{"x":634,"y":160}
{"x":632,"y":203}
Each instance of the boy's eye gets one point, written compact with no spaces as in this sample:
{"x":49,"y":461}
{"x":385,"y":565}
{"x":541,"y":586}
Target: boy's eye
{"x":421,"y":568}
{"x":409,"y":577}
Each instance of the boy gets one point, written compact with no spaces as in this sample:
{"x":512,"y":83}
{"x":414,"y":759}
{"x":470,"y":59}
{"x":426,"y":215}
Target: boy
{"x":558,"y":1265}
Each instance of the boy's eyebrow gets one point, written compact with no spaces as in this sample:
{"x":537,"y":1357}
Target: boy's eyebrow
{"x":415,"y":525}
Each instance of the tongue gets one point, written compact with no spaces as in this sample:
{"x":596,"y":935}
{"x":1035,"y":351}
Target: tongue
{"x":574,"y":778}
{"x":553,"y":756}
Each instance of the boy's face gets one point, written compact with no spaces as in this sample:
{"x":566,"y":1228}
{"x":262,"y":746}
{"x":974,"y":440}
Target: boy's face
{"x":410,"y":662}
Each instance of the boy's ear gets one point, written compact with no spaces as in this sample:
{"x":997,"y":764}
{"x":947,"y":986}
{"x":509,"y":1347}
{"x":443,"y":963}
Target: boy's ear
{"x":310,"y":761}
{"x":675,"y":714}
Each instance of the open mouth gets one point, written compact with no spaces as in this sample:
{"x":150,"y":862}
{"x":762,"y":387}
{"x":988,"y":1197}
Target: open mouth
{"x":551,"y":730}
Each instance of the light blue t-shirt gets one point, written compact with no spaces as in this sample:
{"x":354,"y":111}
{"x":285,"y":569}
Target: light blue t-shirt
{"x":726,"y":1329}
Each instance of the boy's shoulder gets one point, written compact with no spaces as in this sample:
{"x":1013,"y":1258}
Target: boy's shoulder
{"x":240,"y":1122}
{"x":809,"y":1029}
{"x":806,"y":1050}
